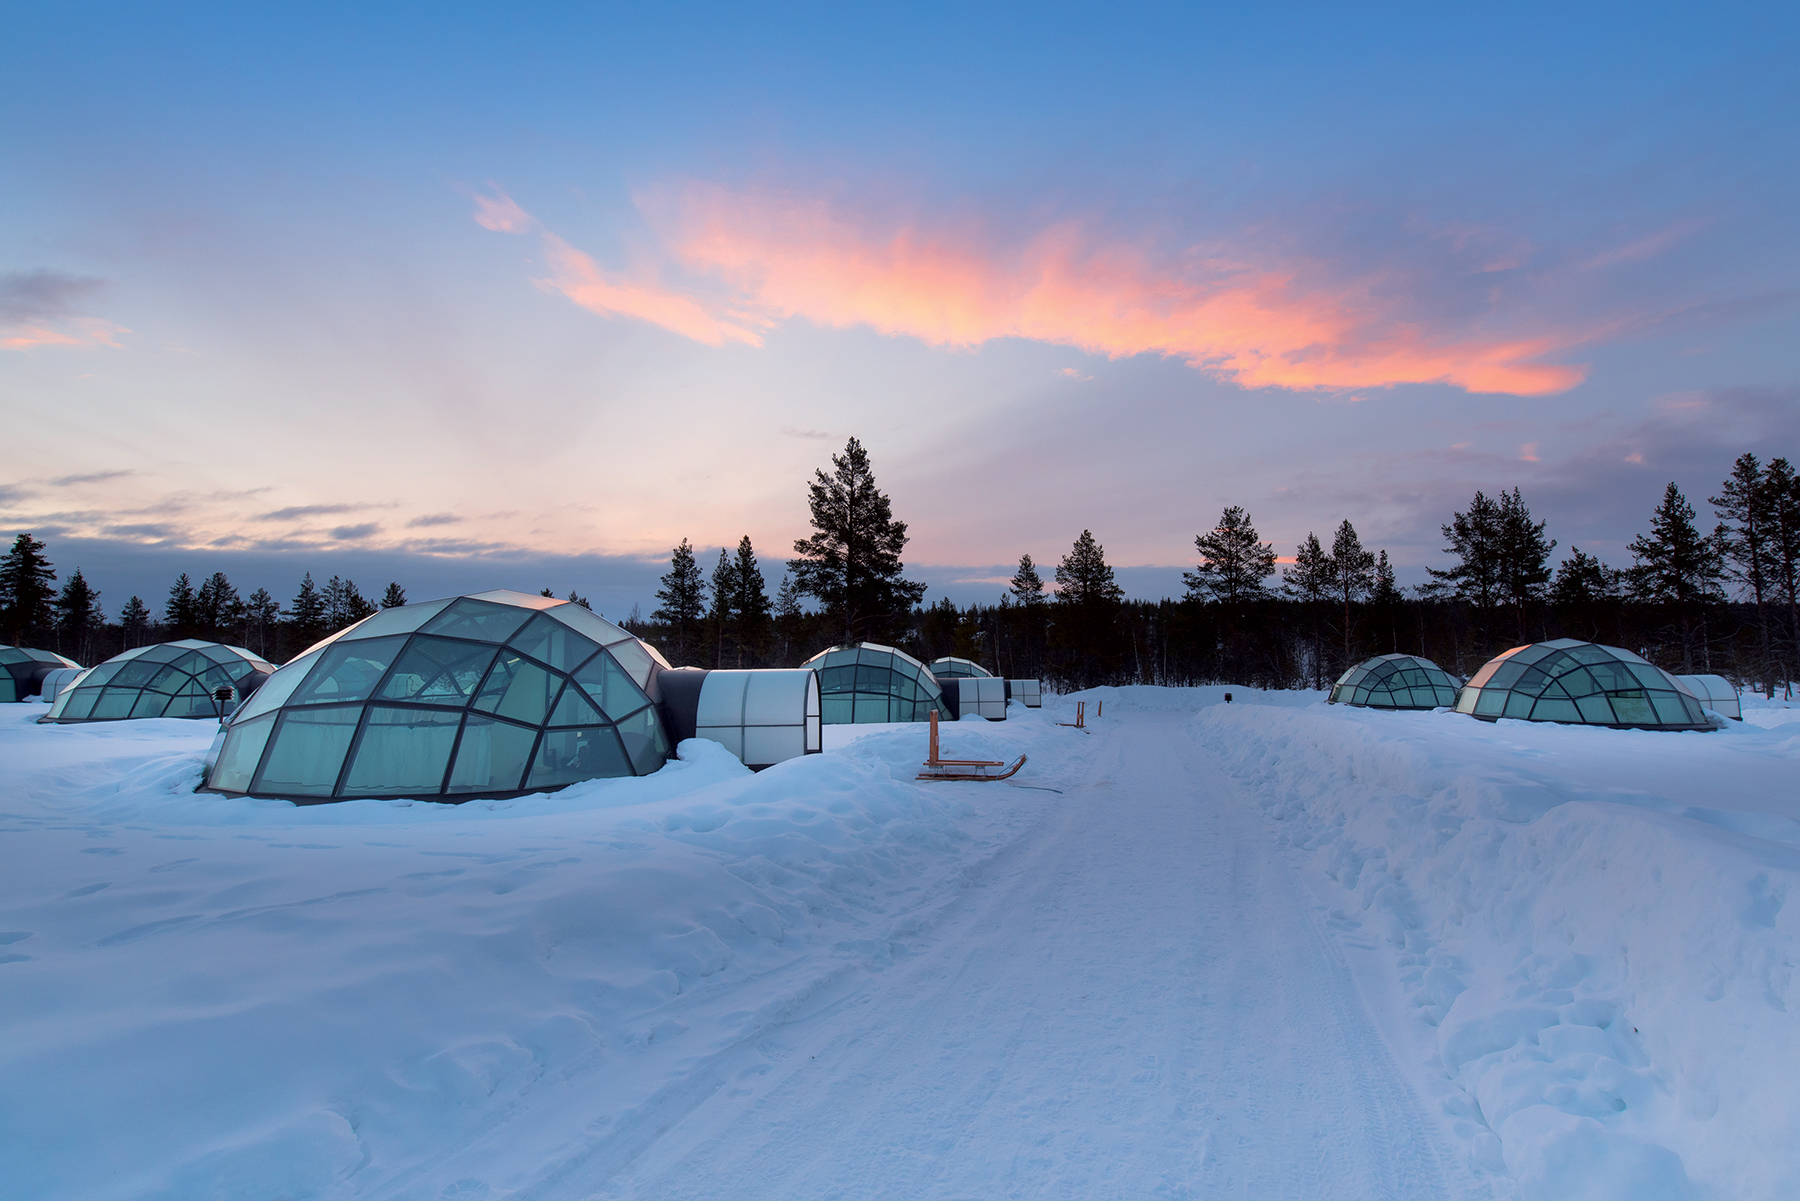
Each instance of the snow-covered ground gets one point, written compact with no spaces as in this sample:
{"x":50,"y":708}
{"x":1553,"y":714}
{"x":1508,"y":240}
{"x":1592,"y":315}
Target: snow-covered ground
{"x":1265,"y":949}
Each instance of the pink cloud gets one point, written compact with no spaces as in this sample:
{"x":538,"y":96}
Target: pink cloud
{"x":500,"y":214}
{"x":1254,"y":323}
{"x":576,"y":276}
{"x":73,"y":332}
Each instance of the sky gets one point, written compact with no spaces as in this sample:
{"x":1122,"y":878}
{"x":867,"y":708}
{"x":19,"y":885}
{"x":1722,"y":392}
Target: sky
{"x":524,"y":295}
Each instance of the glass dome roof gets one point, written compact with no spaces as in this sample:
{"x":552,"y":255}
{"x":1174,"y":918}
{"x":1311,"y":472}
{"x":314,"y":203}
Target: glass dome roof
{"x":169,"y":679}
{"x":1395,"y":682}
{"x":1582,"y":683}
{"x":493,"y":695}
{"x":22,"y":670}
{"x":865,"y":682}
{"x":950,"y":667}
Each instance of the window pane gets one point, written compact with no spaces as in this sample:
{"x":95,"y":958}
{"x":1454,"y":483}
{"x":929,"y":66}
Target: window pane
{"x":574,"y":709}
{"x":307,"y":752}
{"x":243,"y":747}
{"x":552,"y":642}
{"x":836,"y":709}
{"x":348,"y":671}
{"x":403,"y":752}
{"x":1668,"y":709}
{"x":1595,"y":709}
{"x":491,"y":757}
{"x":609,"y":687}
{"x":519,"y":689}
{"x":566,"y":756}
{"x":114,"y":704}
{"x":437,"y":671}
{"x":138,"y":672}
{"x":278,"y":687}
{"x":153,"y":704}
{"x":645,"y":744}
{"x":1554,"y":709}
{"x":403,"y":620}
{"x":483,"y":621}
{"x":1491,"y":701}
{"x":1632,"y":707}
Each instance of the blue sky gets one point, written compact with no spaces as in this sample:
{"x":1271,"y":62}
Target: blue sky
{"x":525,"y":296}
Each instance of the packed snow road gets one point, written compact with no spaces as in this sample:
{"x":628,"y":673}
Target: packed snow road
{"x":1135,"y":1000}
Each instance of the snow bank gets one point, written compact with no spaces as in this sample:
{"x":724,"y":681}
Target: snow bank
{"x":1154,"y":698}
{"x":205,"y":996}
{"x":1595,"y":921}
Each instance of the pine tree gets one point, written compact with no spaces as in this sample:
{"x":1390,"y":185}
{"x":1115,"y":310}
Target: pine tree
{"x":344,"y":604}
{"x":78,"y":615}
{"x":575,"y":598}
{"x":178,"y":613}
{"x":1781,"y":488}
{"x":1744,"y":537}
{"x":394,"y":597}
{"x":1524,"y":556}
{"x":134,"y":622}
{"x":1088,"y":600}
{"x":1475,"y":539}
{"x":1310,"y":581}
{"x":1233,"y":564}
{"x":724,"y":605}
{"x":1353,"y":574}
{"x":261,"y":612}
{"x":26,"y":579}
{"x":683,"y":597}
{"x":217,"y":609}
{"x":750,"y":606}
{"x":1385,"y":598}
{"x":1027,"y":585}
{"x":307,"y":615}
{"x":852,"y":563}
{"x":1582,"y":589}
{"x":1677,"y":566}
{"x":788,"y":616}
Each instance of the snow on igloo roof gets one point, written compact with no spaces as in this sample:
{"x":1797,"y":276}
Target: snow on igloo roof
{"x":164,"y":679}
{"x":489,"y":695}
{"x":1584,"y":683}
{"x":868,"y":682}
{"x":951,"y":667}
{"x":1395,"y":682}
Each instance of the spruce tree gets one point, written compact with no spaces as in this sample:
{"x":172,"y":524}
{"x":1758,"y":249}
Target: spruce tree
{"x":1677,"y":566}
{"x":1583,"y":588}
{"x":575,"y":598}
{"x":217,"y":609}
{"x":1352,"y":573}
{"x":26,"y":589}
{"x":1524,"y":555}
{"x":1233,"y":564}
{"x":851,"y":565}
{"x":134,"y":622}
{"x":178,"y":613}
{"x":78,"y":615}
{"x":1475,"y":539}
{"x":750,"y":606}
{"x":261,"y":613}
{"x":306,"y":616}
{"x":394,"y":597}
{"x":719,"y":618}
{"x":1781,"y":489}
{"x":344,"y":604}
{"x":683,"y":597}
{"x":1310,"y":581}
{"x":1744,"y":536}
{"x":788,"y":616}
{"x":1385,"y":598}
{"x":1088,"y":600}
{"x":1027,"y":585}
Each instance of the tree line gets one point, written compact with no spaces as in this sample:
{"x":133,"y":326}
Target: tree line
{"x":1723,"y":601}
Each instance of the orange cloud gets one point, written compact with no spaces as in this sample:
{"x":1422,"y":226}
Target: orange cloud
{"x":576,"y":276}
{"x":1256,"y":325}
{"x":79,"y":331}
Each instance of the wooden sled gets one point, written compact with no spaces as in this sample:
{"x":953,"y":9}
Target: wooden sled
{"x":935,"y":766}
{"x":1080,"y":722}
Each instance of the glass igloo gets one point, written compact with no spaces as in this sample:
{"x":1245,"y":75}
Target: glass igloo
{"x":952,"y":668}
{"x":865,"y":682}
{"x":1395,"y":682}
{"x":493,"y":695}
{"x":22,"y":671}
{"x":1583,"y":683}
{"x":169,"y":679}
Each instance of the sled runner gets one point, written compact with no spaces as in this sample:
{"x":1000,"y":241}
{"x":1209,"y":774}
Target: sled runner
{"x":946,"y":769}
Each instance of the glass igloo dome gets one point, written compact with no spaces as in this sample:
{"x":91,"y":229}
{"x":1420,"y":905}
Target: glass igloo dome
{"x":1581,"y":683}
{"x":169,"y":679}
{"x":22,"y":671}
{"x":493,"y":695}
{"x":1395,"y":682}
{"x":952,"y":668}
{"x":865,"y":682}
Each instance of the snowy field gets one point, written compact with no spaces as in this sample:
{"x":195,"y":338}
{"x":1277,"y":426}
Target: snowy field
{"x":1269,"y":949}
